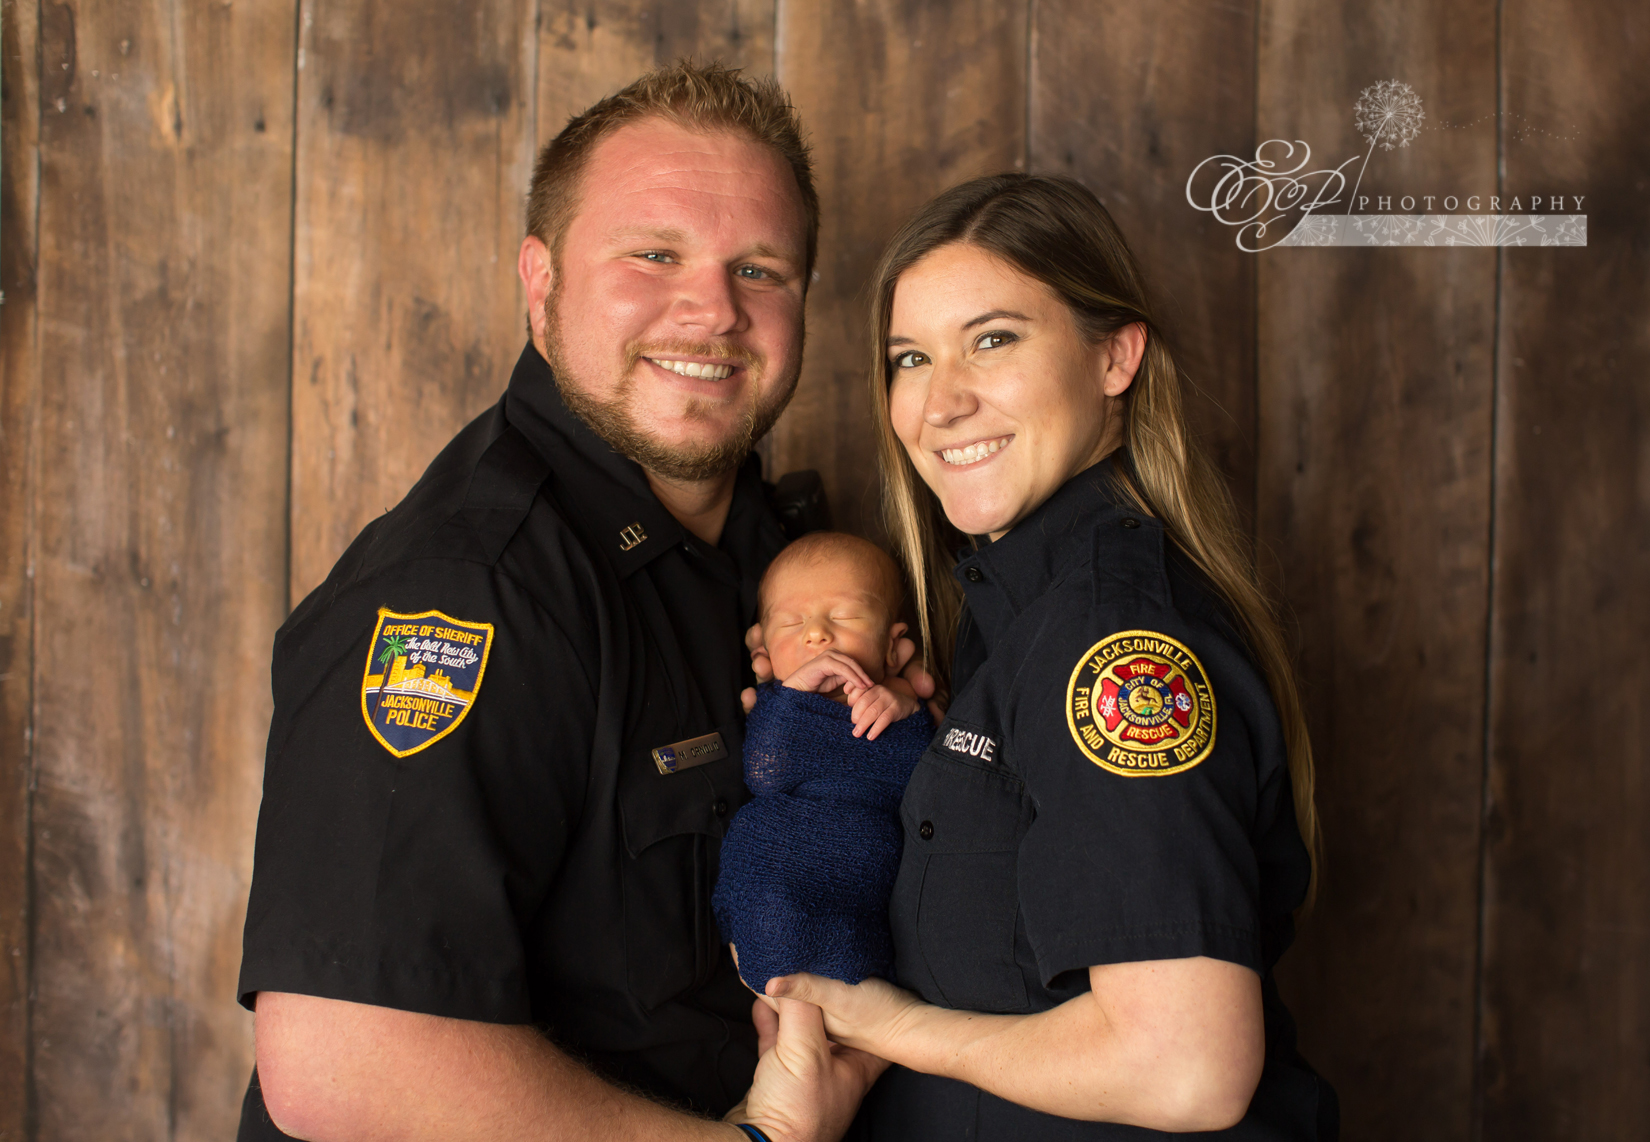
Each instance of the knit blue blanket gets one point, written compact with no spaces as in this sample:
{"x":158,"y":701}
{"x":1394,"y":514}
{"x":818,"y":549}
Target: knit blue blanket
{"x":808,"y":865}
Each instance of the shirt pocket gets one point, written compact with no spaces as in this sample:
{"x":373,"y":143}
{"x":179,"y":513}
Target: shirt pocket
{"x":673,"y":828}
{"x":955,"y":903}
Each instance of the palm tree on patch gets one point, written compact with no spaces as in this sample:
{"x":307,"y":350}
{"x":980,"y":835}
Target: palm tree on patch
{"x":393,"y":647}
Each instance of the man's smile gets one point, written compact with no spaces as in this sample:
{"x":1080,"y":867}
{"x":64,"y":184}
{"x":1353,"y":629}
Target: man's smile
{"x":711,"y":371}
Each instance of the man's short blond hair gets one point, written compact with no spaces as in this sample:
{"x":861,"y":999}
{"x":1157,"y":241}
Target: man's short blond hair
{"x":699,"y":97}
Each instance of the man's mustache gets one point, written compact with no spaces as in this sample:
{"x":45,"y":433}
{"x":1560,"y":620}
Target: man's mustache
{"x":726,"y":351}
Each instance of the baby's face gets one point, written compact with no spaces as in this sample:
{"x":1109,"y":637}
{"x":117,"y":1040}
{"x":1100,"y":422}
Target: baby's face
{"x":833,"y":604}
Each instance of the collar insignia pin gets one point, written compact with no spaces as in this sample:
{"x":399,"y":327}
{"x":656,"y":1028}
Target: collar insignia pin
{"x":631,"y":536}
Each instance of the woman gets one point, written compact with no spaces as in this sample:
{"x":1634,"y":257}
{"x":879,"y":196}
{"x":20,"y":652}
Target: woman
{"x":1107,"y":840}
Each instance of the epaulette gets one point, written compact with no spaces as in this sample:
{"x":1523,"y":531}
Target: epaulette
{"x":506,"y":479}
{"x":1128,"y":558}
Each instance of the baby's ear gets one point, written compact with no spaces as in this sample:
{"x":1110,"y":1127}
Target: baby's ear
{"x":894,"y":634}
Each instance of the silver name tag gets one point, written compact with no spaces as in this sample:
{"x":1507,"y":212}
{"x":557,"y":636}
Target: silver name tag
{"x":687,"y":754}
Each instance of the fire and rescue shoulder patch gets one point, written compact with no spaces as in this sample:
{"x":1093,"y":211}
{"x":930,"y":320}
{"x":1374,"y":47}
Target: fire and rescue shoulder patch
{"x":428,"y":672}
{"x":1139,"y":704}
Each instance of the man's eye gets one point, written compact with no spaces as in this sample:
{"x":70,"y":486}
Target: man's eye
{"x":910,"y":359}
{"x":657,"y":256}
{"x":753,"y":273}
{"x":994,"y":340}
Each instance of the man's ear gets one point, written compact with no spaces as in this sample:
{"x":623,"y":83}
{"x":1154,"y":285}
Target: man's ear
{"x":538,"y":276}
{"x":894,"y":634}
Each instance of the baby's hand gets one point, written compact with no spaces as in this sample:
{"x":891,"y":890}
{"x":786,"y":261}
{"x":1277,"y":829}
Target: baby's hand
{"x":827,"y":671}
{"x":875,"y":708}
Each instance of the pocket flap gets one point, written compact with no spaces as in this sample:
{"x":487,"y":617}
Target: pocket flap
{"x":968,"y":809}
{"x":654,"y":805}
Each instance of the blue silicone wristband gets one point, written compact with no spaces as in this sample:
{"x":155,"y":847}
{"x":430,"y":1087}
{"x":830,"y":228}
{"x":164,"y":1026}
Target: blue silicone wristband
{"x":754,"y":1132}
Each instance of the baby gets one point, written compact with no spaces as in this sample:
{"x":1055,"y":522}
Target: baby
{"x":808,"y":865}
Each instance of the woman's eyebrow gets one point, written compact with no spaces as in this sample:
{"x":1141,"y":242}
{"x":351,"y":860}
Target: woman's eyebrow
{"x":995,"y":315}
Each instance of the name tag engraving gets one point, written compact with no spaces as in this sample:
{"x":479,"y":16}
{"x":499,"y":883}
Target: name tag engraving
{"x":689,"y":753}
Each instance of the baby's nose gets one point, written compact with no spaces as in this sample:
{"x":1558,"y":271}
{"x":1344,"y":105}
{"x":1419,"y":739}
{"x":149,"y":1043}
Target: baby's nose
{"x":818,"y":634}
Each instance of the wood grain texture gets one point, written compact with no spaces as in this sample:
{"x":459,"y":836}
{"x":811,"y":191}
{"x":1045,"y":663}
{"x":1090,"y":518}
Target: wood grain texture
{"x":1132,"y":131}
{"x":590,"y":50}
{"x":19,"y":419}
{"x":1373,"y":499}
{"x":414,"y":146}
{"x":1566,"y":1050}
{"x":902,"y":99}
{"x":165,"y":237}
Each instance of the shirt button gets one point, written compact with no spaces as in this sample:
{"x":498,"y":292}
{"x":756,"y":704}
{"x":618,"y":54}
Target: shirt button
{"x":974,"y":574}
{"x":926,"y":830}
{"x":720,"y":808}
{"x":1130,"y":522}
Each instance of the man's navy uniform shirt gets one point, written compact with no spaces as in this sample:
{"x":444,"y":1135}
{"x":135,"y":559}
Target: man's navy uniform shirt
{"x":1109,"y":785}
{"x":471,"y":823}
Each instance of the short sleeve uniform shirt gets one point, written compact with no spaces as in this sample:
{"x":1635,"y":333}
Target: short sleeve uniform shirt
{"x":462,"y":811}
{"x":1109,"y":785}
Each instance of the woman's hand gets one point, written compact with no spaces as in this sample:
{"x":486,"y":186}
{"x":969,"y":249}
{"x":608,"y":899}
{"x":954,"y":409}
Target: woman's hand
{"x":867,"y":1015}
{"x":806,"y":1088}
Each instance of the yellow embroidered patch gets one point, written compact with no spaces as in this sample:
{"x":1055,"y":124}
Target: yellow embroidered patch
{"x":1139,"y":704}
{"x":430,"y":667}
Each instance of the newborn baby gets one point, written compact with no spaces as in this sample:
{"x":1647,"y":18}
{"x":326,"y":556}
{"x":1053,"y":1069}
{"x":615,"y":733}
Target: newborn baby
{"x":808,"y":865}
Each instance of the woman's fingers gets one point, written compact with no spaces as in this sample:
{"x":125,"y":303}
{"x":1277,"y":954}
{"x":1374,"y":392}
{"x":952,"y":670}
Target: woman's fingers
{"x":747,"y":698}
{"x":911,"y":670}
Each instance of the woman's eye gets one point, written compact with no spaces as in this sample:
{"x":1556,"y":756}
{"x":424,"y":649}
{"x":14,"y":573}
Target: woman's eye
{"x":910,"y":359}
{"x":994,"y":340}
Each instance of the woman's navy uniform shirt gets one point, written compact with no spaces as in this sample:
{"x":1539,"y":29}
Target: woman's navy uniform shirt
{"x":1109,"y":785}
{"x":462,"y":812}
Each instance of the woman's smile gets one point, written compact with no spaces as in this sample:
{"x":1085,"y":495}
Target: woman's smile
{"x":972,"y":455}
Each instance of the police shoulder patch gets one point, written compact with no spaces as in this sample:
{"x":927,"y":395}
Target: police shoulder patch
{"x":1139,"y":704}
{"x":423,"y":674}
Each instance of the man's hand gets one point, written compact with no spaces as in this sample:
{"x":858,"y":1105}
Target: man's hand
{"x":806,"y":1087}
{"x":879,"y":707}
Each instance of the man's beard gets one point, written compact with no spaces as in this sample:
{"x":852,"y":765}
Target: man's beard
{"x":612,"y":418}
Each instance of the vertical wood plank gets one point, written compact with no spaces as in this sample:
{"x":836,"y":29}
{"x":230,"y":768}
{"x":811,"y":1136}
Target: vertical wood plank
{"x":165,"y":237}
{"x":1373,"y":493}
{"x":414,"y":147}
{"x":1177,"y":86}
{"x":592,"y":49}
{"x":19,"y":408}
{"x":902,"y":99}
{"x":1566,"y":1050}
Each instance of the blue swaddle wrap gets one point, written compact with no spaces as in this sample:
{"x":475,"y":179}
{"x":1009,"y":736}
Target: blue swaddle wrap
{"x":808,"y":865}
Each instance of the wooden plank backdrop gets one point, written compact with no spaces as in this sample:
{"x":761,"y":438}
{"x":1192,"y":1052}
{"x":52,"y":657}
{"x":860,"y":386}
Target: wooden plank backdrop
{"x":1376,"y":380}
{"x":258,"y":264}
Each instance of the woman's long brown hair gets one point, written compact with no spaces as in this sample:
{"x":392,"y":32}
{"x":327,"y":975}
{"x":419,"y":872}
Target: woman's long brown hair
{"x":1055,"y":231}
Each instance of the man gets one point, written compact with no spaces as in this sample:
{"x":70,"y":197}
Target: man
{"x":506,"y":734}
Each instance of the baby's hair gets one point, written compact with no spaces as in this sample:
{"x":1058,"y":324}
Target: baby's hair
{"x":819,"y":546}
